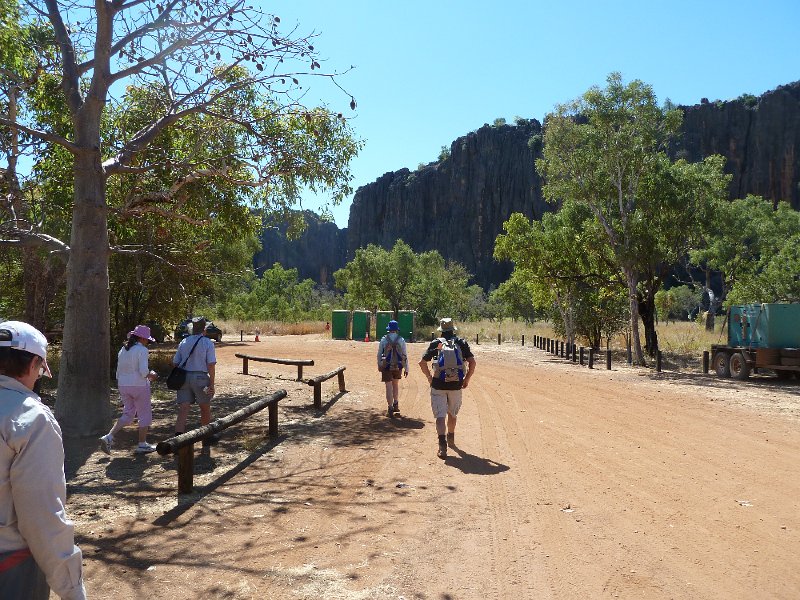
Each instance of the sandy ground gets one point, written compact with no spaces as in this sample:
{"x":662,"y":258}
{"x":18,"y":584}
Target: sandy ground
{"x":566,"y":483}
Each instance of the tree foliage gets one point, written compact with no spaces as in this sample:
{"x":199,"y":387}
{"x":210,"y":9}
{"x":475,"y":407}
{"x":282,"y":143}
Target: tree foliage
{"x":400,"y":279}
{"x":185,"y":111}
{"x":606,"y":150}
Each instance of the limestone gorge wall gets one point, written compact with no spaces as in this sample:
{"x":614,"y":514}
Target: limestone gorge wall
{"x":759,"y":137}
{"x":458,"y":205}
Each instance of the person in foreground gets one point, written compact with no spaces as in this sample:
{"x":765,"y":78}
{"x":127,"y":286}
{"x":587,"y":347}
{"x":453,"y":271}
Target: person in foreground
{"x":196,"y":354}
{"x":37,"y":541}
{"x":449,"y":377}
{"x":133,"y":380}
{"x":392,"y":358}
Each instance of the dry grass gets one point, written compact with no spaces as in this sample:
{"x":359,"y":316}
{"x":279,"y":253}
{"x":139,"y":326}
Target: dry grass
{"x":270,"y":327}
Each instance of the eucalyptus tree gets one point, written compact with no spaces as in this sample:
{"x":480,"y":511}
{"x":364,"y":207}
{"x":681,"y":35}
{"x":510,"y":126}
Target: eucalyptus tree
{"x":606,"y":150}
{"x":221,"y":67}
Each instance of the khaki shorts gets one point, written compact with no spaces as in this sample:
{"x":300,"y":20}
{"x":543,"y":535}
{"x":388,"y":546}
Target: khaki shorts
{"x":445,"y":401}
{"x":388,"y":375}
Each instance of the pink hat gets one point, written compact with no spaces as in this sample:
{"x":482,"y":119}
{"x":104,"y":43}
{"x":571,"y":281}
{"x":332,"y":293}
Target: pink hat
{"x":21,"y":336}
{"x":142,"y":331}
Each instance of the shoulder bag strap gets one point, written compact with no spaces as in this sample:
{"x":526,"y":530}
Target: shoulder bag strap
{"x":190,"y":351}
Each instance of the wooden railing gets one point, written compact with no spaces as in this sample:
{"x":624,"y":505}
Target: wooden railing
{"x":183,"y":445}
{"x":299,"y":363}
{"x":317,"y":383}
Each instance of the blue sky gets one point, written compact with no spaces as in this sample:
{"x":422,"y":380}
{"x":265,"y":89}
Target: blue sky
{"x":428,"y":72}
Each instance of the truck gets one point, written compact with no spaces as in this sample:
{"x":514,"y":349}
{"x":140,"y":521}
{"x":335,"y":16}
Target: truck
{"x":760,"y":336}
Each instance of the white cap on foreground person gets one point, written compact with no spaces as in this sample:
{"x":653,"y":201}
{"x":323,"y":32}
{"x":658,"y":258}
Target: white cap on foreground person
{"x":37,"y":547}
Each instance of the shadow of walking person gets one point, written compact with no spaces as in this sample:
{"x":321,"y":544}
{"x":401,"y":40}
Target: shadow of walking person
{"x":474,"y":465}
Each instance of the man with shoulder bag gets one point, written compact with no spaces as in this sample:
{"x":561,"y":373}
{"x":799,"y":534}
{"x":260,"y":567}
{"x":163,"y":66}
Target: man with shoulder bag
{"x":196,"y":355}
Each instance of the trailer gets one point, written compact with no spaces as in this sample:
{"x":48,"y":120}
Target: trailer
{"x":760,"y":336}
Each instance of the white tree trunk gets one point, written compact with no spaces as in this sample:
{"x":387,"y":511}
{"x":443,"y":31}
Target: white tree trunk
{"x":83,"y":407}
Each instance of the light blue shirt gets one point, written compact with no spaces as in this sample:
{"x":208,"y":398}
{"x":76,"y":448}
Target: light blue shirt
{"x":202,"y":356}
{"x":393,"y":338}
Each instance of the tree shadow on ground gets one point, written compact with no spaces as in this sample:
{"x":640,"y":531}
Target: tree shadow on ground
{"x":470,"y":464}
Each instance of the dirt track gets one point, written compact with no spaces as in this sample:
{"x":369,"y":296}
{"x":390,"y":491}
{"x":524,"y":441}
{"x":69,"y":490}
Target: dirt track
{"x":567,"y":483}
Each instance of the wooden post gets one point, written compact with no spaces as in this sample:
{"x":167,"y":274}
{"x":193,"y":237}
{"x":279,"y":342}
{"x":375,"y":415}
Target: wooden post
{"x":582,"y":349}
{"x":341,"y":381}
{"x":498,"y":339}
{"x":574,"y":353}
{"x":591,"y":358}
{"x":523,"y":339}
{"x":185,"y":469}
{"x":317,"y":394}
{"x":562,"y":350}
{"x":273,"y":419}
{"x":476,"y":339}
{"x":241,"y":335}
{"x":244,"y":365}
{"x":658,"y":361}
{"x":431,"y":336}
{"x":299,"y":372}
{"x":608,"y":360}
{"x":705,"y":362}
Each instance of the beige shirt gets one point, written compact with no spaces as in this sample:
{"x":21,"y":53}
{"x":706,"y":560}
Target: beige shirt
{"x":33,"y":489}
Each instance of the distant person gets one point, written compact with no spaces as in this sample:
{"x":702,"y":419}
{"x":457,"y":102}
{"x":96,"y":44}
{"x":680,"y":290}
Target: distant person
{"x":196,"y":354}
{"x":327,"y":325}
{"x":392,"y":358}
{"x":37,"y":541}
{"x":449,"y":377}
{"x":133,"y":380}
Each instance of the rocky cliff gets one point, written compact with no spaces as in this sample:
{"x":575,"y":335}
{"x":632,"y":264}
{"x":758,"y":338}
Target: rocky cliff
{"x":458,"y":204}
{"x":316,"y":254}
{"x":759,"y":137}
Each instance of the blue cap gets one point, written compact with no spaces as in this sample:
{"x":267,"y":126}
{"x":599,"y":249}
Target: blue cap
{"x":392,"y":326}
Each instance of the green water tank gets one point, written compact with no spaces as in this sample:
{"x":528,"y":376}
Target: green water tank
{"x":361,"y":322}
{"x":382,"y":318}
{"x":340,"y":325}
{"x":407,"y":320}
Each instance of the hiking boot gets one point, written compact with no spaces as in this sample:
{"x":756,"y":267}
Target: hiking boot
{"x":451,"y":439}
{"x":442,"y":453}
{"x":211,"y":440}
{"x":145,"y":448}
{"x":395,"y":408}
{"x":390,"y":412}
{"x":106,"y":443}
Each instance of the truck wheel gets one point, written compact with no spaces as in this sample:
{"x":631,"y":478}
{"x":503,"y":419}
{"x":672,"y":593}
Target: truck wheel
{"x":738,"y":366}
{"x":783,"y":374}
{"x":721,"y":365}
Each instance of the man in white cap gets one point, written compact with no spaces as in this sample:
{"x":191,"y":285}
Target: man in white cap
{"x":37,"y":542}
{"x":448,"y":379}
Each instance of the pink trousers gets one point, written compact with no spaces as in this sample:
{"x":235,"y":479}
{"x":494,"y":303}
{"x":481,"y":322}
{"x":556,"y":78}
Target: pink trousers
{"x":136,"y":403}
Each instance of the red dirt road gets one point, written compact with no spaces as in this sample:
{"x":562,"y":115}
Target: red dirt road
{"x":566,"y":483}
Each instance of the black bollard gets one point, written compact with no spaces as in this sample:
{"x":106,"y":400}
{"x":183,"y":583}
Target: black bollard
{"x":523,"y":339}
{"x":241,"y":335}
{"x":591,"y":358}
{"x":705,"y":362}
{"x":498,"y":339}
{"x":658,"y":361}
{"x":608,"y":360}
{"x":582,"y":349}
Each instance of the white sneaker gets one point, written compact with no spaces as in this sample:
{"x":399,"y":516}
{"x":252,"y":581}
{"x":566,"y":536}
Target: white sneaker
{"x":145,"y":448}
{"x":106,"y":443}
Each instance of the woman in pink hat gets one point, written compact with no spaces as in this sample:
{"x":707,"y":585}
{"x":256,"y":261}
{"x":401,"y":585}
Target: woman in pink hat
{"x":133,"y":381}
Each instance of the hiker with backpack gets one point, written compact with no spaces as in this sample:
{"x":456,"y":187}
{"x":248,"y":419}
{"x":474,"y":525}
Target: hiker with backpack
{"x":392,"y":358}
{"x":448,"y":353}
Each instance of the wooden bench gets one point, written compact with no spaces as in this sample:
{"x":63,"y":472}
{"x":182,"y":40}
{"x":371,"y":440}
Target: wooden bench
{"x":299,"y":363}
{"x":317,"y":383}
{"x":183,"y":445}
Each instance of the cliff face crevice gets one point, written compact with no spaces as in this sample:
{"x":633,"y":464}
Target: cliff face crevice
{"x":457,"y":206}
